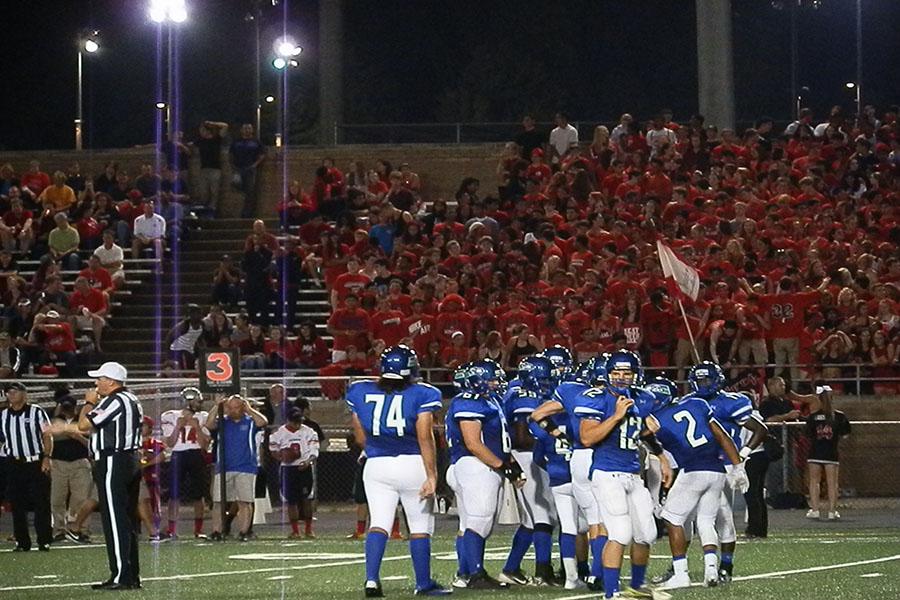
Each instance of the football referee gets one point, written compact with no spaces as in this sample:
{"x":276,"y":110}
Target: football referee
{"x":26,"y":430}
{"x":113,"y":417}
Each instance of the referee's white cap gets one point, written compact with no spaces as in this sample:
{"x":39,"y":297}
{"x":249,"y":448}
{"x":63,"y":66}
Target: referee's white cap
{"x":110,"y":370}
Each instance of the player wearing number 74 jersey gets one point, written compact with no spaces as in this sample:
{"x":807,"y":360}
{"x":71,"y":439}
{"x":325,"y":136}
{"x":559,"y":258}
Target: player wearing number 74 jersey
{"x":393,"y":420}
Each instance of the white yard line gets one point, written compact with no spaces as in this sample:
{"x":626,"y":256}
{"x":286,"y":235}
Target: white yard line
{"x":213,"y":574}
{"x":773,"y":574}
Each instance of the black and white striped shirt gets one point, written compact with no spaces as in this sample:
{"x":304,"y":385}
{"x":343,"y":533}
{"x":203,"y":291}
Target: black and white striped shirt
{"x":117,"y":422}
{"x":22,"y":432}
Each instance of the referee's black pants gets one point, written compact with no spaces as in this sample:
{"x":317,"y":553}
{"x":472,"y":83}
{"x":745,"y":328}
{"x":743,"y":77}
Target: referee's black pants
{"x":29,"y":489}
{"x":757,"y":511}
{"x":118,"y":481}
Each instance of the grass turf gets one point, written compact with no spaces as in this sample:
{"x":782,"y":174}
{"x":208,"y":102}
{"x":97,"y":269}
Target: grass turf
{"x":332,"y":568}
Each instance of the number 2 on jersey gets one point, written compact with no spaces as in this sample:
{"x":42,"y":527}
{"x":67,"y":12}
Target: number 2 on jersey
{"x":629,"y":431}
{"x":394,"y":417}
{"x":691,"y":433}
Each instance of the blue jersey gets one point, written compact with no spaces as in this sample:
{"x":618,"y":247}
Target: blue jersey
{"x":552,"y":455}
{"x":512,"y":388}
{"x":470,"y":406}
{"x":567,"y":393}
{"x":618,"y":452}
{"x":685,"y":431}
{"x":389,"y":419}
{"x":732,"y":410}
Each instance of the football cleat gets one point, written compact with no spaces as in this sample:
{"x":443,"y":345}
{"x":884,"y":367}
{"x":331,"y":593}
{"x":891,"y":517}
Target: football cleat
{"x":665,"y":576}
{"x":433,"y":589}
{"x":460,"y":581}
{"x":711,"y":577}
{"x":575,"y":584}
{"x":725,"y":572}
{"x":544,"y":576}
{"x":483,"y":581}
{"x":812,"y":514}
{"x":595,"y":584}
{"x":676,"y":581}
{"x":834,"y":516}
{"x":516,"y":577}
{"x":373,"y":589}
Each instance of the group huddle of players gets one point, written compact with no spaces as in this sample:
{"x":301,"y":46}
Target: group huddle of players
{"x":569,"y":443}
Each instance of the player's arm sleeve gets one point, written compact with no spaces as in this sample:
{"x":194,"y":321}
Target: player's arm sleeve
{"x":274,"y":442}
{"x":109,"y":408}
{"x":314,"y":445}
{"x":431,"y":401}
{"x":351,"y":398}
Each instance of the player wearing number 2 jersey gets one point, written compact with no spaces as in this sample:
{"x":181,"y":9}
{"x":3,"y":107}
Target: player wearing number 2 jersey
{"x":688,"y":430}
{"x":393,"y":420}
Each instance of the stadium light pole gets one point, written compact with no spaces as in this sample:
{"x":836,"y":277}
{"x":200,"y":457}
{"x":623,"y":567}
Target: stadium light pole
{"x":87,"y":43}
{"x":286,"y":53}
{"x":168,"y":12}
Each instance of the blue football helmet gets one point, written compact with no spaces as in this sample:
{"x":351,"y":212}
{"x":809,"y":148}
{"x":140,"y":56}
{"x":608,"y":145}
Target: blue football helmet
{"x":596,"y":370}
{"x":399,"y":362}
{"x":486,"y":375}
{"x":560,"y":358}
{"x":537,"y":373}
{"x":664,"y":391}
{"x":461,"y":377}
{"x":706,"y":378}
{"x":582,"y":372}
{"x":624,"y":370}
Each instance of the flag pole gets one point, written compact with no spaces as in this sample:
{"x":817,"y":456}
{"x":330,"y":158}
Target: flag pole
{"x":687,"y":326}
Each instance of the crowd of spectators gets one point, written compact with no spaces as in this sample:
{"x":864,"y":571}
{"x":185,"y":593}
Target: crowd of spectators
{"x":794,"y":233}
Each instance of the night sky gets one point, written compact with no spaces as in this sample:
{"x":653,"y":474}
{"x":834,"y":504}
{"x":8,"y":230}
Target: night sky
{"x":425,"y":61}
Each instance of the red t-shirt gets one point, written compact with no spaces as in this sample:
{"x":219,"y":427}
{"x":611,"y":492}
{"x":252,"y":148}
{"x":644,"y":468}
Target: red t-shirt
{"x":514,"y":317}
{"x":356,"y":321}
{"x":388,"y":326}
{"x":445,"y":323}
{"x":348,"y":283}
{"x":456,"y":355}
{"x":98,"y":279}
{"x":36,"y":182}
{"x":657,"y":325}
{"x":786,"y":312}
{"x":60,"y":338}
{"x":578,"y":321}
{"x":11,"y":219}
{"x":421,"y":329}
{"x":94,"y":300}
{"x":151,"y":448}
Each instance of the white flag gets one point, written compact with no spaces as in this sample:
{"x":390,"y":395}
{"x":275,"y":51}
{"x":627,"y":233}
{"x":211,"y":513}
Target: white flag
{"x":684,"y":279}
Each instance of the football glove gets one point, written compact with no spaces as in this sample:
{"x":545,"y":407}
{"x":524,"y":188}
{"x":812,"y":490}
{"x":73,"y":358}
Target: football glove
{"x":737,"y":478}
{"x":512,"y":471}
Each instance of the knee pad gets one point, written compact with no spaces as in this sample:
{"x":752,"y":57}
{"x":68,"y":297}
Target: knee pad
{"x":706,"y":528}
{"x":725,"y":525}
{"x":619,"y":529}
{"x":480,"y":524}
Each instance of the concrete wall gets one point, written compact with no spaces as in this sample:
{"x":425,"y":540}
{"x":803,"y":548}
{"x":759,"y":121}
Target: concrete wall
{"x":441,"y":167}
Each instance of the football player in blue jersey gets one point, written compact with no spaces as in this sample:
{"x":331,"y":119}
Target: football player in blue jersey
{"x":480,"y":446}
{"x":553,"y":455}
{"x":612,"y":422}
{"x":734,"y":412}
{"x":393,"y":420}
{"x":566,"y":398}
{"x":686,"y":428}
{"x":462,"y":383}
{"x":536,"y":374}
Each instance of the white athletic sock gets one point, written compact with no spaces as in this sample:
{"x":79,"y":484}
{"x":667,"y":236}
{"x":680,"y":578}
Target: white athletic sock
{"x":571,"y":567}
{"x":711,"y":560}
{"x":680,"y":566}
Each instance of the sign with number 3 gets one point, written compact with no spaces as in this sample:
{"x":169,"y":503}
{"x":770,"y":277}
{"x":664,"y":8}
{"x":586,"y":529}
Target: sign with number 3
{"x":220,"y":372}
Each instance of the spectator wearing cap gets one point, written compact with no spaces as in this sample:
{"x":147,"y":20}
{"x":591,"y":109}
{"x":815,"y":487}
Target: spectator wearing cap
{"x":296,"y":446}
{"x":10,"y":357}
{"x":25,"y":429}
{"x":57,"y":341}
{"x":17,"y":228}
{"x":63,"y":243}
{"x":70,"y":473}
{"x":149,"y":231}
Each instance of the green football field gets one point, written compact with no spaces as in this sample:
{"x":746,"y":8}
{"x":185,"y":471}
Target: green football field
{"x":842,"y":562}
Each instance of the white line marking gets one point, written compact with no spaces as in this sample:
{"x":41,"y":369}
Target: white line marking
{"x":280,"y":577}
{"x":872,"y":575}
{"x":395,"y":578}
{"x":46,"y":576}
{"x":215,"y":574}
{"x":774,"y":574}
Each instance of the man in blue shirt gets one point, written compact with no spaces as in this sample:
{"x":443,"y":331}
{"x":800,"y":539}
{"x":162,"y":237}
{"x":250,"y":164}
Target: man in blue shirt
{"x":393,"y":420}
{"x":688,"y":429}
{"x":239,"y":448}
{"x":246,"y":155}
